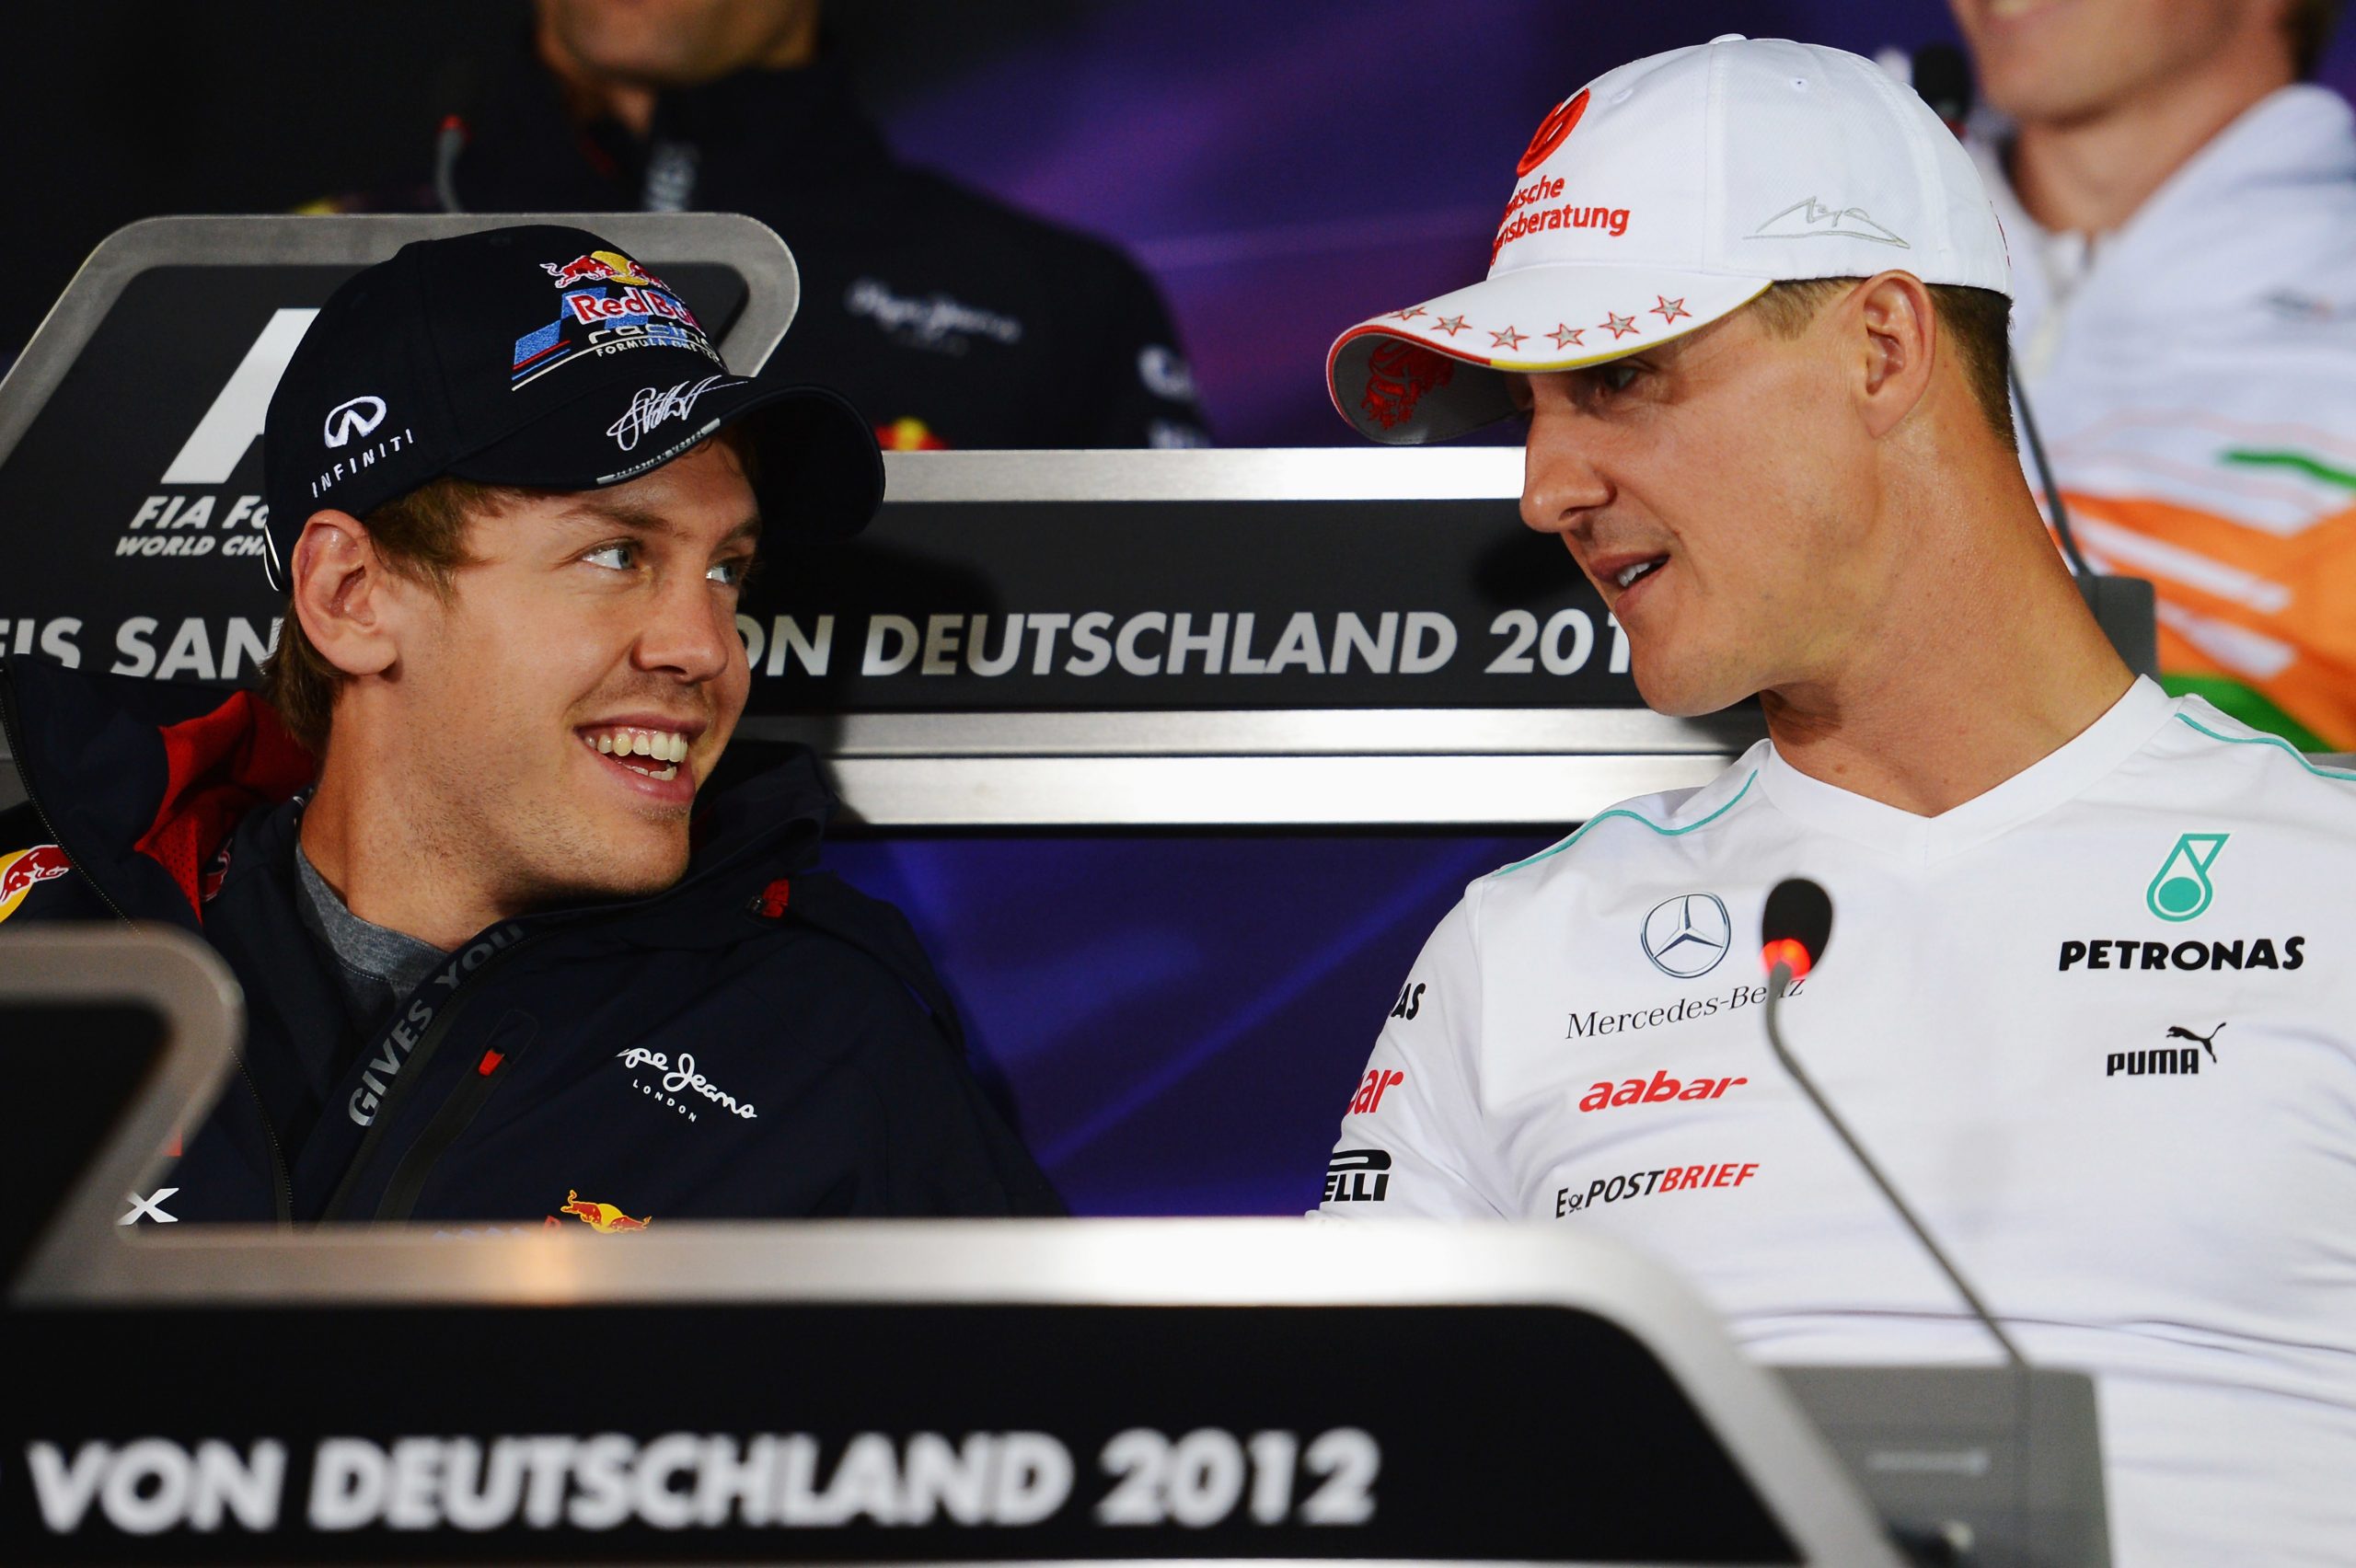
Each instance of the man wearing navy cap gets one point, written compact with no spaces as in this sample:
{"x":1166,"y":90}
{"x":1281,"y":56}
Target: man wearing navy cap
{"x":510,"y":955}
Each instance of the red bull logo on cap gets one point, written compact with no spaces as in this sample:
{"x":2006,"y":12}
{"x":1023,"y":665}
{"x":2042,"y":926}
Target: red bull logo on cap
{"x":19,"y":872}
{"x":602,"y":267}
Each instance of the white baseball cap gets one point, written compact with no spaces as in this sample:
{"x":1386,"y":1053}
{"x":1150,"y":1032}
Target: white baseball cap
{"x":1664,"y":195}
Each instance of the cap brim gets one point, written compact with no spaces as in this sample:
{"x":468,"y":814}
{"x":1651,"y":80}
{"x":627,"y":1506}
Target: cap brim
{"x":817,"y":472}
{"x":1435,"y":371}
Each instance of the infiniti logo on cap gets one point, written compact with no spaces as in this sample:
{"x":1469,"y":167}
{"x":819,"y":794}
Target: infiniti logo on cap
{"x":361,"y":416}
{"x":1687,"y":935}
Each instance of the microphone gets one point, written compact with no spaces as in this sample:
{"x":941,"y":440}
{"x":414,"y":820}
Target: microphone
{"x":1794,"y":930}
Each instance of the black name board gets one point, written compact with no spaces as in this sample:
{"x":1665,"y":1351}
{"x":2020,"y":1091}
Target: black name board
{"x":1132,"y":605}
{"x":858,"y":1432}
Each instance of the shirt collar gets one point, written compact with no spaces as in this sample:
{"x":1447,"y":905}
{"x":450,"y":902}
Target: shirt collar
{"x":2057,"y":777}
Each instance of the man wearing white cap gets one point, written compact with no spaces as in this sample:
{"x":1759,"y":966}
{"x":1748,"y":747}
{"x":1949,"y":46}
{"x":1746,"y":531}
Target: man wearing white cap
{"x":2091,"y":997}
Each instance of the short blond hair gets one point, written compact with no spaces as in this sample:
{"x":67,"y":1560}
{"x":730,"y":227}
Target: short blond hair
{"x":1974,"y":322}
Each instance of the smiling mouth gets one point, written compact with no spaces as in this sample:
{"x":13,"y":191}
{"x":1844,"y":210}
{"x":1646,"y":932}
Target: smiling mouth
{"x":654,"y":753}
{"x":1636,"y":572}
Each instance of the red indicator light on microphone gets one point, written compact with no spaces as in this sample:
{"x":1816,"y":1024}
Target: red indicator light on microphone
{"x":1789,"y":951}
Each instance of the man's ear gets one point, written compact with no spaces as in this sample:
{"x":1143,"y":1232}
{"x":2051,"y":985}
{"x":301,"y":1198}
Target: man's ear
{"x":1897,"y":328}
{"x":348,"y":606}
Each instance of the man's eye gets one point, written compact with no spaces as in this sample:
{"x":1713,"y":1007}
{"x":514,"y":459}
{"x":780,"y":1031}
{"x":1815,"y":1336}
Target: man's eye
{"x":730,"y":573}
{"x":1617,"y":376}
{"x":614,"y":558}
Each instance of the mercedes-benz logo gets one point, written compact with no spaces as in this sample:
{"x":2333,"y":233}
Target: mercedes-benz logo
{"x":1686,"y":936}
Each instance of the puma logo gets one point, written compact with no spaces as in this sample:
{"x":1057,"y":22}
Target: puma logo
{"x":2178,"y":1032}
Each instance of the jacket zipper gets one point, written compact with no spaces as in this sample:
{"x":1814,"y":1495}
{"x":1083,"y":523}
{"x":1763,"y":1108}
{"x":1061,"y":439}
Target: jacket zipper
{"x":463,"y":1103}
{"x":282,"y":1184}
{"x":509,"y":1040}
{"x":412,"y":1070}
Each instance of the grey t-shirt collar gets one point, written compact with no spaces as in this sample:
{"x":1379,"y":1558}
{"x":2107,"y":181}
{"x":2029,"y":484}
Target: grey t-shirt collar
{"x":375,"y":965}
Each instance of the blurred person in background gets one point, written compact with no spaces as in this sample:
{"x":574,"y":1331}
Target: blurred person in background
{"x":2181,"y":208}
{"x":951,"y":319}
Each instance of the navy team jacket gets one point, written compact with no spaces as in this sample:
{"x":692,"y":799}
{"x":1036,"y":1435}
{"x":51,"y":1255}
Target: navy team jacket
{"x":757,"y":1041}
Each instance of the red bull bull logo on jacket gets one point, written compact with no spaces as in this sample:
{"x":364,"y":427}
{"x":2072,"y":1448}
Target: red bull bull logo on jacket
{"x":22,"y":870}
{"x":602,"y":1219}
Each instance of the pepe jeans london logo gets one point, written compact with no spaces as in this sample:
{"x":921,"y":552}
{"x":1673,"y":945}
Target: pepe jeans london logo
{"x":1686,"y":936}
{"x":2182,"y":889}
{"x":679,"y":1082}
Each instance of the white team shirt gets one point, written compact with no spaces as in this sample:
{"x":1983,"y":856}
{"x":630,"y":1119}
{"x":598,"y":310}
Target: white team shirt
{"x":2098,"y":1024}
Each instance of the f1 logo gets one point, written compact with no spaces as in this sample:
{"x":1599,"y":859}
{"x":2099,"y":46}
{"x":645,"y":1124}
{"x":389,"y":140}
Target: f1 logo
{"x":149,"y":1207}
{"x":233,"y":423}
{"x":359,"y":417}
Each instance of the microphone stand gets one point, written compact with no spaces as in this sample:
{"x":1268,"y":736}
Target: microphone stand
{"x":1780,"y":981}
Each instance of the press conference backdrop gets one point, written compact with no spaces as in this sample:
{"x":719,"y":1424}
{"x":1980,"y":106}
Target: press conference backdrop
{"x":1173,"y":758}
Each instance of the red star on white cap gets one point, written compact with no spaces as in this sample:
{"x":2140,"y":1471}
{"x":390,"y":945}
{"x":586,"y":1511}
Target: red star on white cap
{"x":1621,"y":326}
{"x":1407,"y":315}
{"x":1509,"y":339}
{"x":1564,"y":336}
{"x":1668,"y":309}
{"x":1451,"y":325}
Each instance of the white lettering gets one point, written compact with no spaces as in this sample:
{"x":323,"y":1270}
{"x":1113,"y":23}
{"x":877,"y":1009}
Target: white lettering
{"x":130,"y":641}
{"x":785,"y":636}
{"x":1416,"y":660}
{"x":877,"y":662}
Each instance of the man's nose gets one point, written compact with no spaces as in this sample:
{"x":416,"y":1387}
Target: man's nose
{"x":1561,"y":485}
{"x":690,"y":633}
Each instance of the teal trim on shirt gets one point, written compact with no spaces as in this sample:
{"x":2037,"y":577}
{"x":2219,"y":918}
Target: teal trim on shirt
{"x":1623,"y":812}
{"x":2231,"y":740}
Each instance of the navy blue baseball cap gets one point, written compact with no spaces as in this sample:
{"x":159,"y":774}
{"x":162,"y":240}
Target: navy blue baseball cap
{"x":544,"y":357}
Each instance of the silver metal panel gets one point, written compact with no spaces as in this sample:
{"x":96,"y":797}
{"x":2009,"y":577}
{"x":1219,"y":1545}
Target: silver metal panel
{"x":751,"y":248}
{"x":181,"y":979}
{"x":1307,"y":473}
{"x":1395,"y":731}
{"x":1115,"y":1263}
{"x":1209,"y":792}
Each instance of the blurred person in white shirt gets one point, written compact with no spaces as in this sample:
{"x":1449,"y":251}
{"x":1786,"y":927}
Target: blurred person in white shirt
{"x":2181,"y":207}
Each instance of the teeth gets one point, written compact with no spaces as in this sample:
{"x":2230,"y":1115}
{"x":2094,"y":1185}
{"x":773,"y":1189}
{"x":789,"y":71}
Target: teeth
{"x":1628,"y":574}
{"x":667,"y":747}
